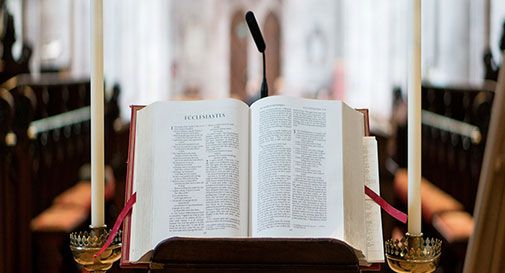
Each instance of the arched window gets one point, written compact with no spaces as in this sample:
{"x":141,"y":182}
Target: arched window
{"x":272,"y":30}
{"x":238,"y":55}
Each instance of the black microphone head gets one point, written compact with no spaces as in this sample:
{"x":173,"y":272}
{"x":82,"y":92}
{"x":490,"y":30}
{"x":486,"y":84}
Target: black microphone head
{"x":255,"y":31}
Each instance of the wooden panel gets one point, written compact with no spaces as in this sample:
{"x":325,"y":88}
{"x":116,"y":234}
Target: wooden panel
{"x":7,"y":201}
{"x":487,"y":245}
{"x":253,"y":255}
{"x":22,"y":168}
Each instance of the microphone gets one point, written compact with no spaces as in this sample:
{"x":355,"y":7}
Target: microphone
{"x":255,"y":31}
{"x":260,"y":44}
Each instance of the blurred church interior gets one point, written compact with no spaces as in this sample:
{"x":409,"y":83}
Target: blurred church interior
{"x":348,"y":50}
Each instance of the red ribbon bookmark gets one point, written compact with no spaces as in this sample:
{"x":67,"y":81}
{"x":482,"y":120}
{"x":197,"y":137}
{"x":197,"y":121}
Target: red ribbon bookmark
{"x":128,"y":206}
{"x":398,"y":215}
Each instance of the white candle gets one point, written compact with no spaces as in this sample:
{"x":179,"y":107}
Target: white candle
{"x":97,"y":115}
{"x":414,"y":120}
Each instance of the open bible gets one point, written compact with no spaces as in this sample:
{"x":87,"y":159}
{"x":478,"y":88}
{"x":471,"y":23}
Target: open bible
{"x":284,"y":167}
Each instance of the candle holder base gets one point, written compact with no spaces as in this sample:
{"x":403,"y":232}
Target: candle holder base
{"x":85,"y":244}
{"x":413,"y":254}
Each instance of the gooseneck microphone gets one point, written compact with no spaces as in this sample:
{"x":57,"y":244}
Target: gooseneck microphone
{"x":260,"y":44}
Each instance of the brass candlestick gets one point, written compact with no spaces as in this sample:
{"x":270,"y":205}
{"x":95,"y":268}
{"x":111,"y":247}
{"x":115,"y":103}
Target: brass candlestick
{"x":85,"y":244}
{"x":413,"y":254}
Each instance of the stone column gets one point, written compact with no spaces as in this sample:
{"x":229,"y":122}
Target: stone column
{"x":452,"y":57}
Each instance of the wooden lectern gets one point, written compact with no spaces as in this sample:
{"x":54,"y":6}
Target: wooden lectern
{"x":204,"y":255}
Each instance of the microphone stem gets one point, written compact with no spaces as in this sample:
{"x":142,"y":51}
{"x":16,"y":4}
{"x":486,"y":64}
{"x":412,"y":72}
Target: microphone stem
{"x":264,"y":67}
{"x":264,"y":84}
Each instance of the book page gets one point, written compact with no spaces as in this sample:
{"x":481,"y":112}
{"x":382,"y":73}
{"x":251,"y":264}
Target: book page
{"x":353,"y":178}
{"x":375,"y":244}
{"x":200,"y":169}
{"x":142,"y":212}
{"x":294,"y":174}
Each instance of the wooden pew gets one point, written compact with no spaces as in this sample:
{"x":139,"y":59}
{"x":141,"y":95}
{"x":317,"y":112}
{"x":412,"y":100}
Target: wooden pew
{"x":50,"y":118}
{"x":455,"y":127}
{"x":454,"y":133}
{"x":57,"y":152}
{"x":15,"y":183}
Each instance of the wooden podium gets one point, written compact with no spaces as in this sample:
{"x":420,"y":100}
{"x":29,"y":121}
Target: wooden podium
{"x":205,"y":255}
